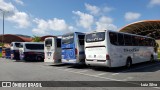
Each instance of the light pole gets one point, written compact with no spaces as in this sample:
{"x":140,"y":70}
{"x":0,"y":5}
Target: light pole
{"x":3,"y":12}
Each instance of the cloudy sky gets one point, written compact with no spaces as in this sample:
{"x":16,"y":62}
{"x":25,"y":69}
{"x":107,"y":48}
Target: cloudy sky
{"x":56,"y":17}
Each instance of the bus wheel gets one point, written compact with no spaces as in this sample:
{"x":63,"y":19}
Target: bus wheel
{"x":152,"y":58}
{"x":128,"y":62}
{"x":39,"y":58}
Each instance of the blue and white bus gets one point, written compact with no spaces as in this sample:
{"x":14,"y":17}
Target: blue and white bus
{"x":73,"y":48}
{"x":15,"y":50}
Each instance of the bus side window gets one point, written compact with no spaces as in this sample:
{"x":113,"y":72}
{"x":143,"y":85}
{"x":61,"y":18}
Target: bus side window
{"x":113,"y":38}
{"x":120,"y":39}
{"x":135,"y":40}
{"x":143,"y":41}
{"x":81,"y":39}
{"x":21,"y":45}
{"x":58,"y":42}
{"x":148,"y":42}
{"x":128,"y":40}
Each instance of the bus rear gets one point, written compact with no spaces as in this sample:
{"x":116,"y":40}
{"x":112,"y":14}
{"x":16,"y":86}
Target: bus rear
{"x":15,"y":50}
{"x":69,"y":50}
{"x":52,"y":50}
{"x":96,"y":50}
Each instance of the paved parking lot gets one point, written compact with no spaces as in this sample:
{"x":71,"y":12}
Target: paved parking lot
{"x":39,"y":71}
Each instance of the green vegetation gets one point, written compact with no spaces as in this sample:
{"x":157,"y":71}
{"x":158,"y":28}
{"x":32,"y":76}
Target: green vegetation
{"x":0,"y":54}
{"x":158,"y":54}
{"x":1,"y":44}
{"x":36,"y":39}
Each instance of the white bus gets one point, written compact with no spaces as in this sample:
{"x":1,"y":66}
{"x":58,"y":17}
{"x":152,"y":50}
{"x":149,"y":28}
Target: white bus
{"x":52,"y":49}
{"x":32,"y":51}
{"x":15,"y":50}
{"x":114,"y":49}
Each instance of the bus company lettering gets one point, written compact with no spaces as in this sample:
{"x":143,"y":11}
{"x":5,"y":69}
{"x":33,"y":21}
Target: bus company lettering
{"x":131,"y":50}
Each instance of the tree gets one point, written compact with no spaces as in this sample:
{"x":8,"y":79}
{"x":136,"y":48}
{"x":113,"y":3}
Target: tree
{"x":36,"y":39}
{"x":1,"y":44}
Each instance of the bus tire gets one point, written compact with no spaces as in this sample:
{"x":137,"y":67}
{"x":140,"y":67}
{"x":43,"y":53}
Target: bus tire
{"x":129,"y":62}
{"x":39,"y":58}
{"x":151,"y":58}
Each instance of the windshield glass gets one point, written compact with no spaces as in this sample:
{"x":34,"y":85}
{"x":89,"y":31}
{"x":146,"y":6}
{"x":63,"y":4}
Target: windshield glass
{"x":68,"y":39}
{"x":95,"y":37}
{"x":48,"y":42}
{"x":17,"y":44}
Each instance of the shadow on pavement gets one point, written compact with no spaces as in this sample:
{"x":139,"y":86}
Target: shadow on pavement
{"x":140,"y":67}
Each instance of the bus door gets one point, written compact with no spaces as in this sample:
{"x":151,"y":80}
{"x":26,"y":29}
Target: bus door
{"x":80,"y":47}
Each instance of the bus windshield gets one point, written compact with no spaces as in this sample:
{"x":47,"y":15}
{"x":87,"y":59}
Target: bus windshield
{"x":17,"y":44}
{"x":48,"y":42}
{"x":68,"y":39}
{"x":35,"y":46}
{"x":95,"y":37}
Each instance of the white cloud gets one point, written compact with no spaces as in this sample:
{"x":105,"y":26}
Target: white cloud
{"x":21,"y":18}
{"x":54,"y":24}
{"x":57,"y":24}
{"x":153,"y":3}
{"x":85,"y":20}
{"x":41,"y":24}
{"x":105,"y":19}
{"x":19,"y":2}
{"x":92,"y":9}
{"x":107,"y":9}
{"x":13,"y":15}
{"x":7,"y":6}
{"x":105,"y":23}
{"x":129,"y":16}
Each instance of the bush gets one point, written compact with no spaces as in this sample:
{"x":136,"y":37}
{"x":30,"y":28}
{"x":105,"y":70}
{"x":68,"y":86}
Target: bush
{"x":158,"y":54}
{"x":0,"y":54}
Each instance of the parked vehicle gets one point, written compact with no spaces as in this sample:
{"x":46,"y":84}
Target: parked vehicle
{"x":15,"y":50}
{"x":31,"y":51}
{"x":52,"y":49}
{"x":113,"y":49}
{"x":73,"y":48}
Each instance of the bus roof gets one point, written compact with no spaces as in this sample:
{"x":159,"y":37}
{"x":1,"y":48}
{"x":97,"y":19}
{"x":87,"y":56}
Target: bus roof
{"x":16,"y":42}
{"x":74,"y":32}
{"x":33,"y":42}
{"x":118,"y":32}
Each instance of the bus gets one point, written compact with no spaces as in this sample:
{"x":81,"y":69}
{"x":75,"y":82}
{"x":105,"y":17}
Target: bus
{"x":52,"y":49}
{"x":73,"y":48}
{"x":15,"y":50}
{"x":31,"y":51}
{"x":114,"y":49}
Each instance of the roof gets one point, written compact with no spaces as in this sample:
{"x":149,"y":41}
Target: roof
{"x":149,"y":28}
{"x":8,"y":38}
{"x":43,"y":37}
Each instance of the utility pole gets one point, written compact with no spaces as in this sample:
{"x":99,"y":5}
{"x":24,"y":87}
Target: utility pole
{"x":3,"y":13}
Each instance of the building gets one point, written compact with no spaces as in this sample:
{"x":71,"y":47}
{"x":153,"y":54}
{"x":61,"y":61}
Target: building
{"x":8,"y":38}
{"x":149,"y":28}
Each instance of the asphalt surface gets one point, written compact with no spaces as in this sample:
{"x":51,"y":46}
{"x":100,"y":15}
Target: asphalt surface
{"x":11,"y":70}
